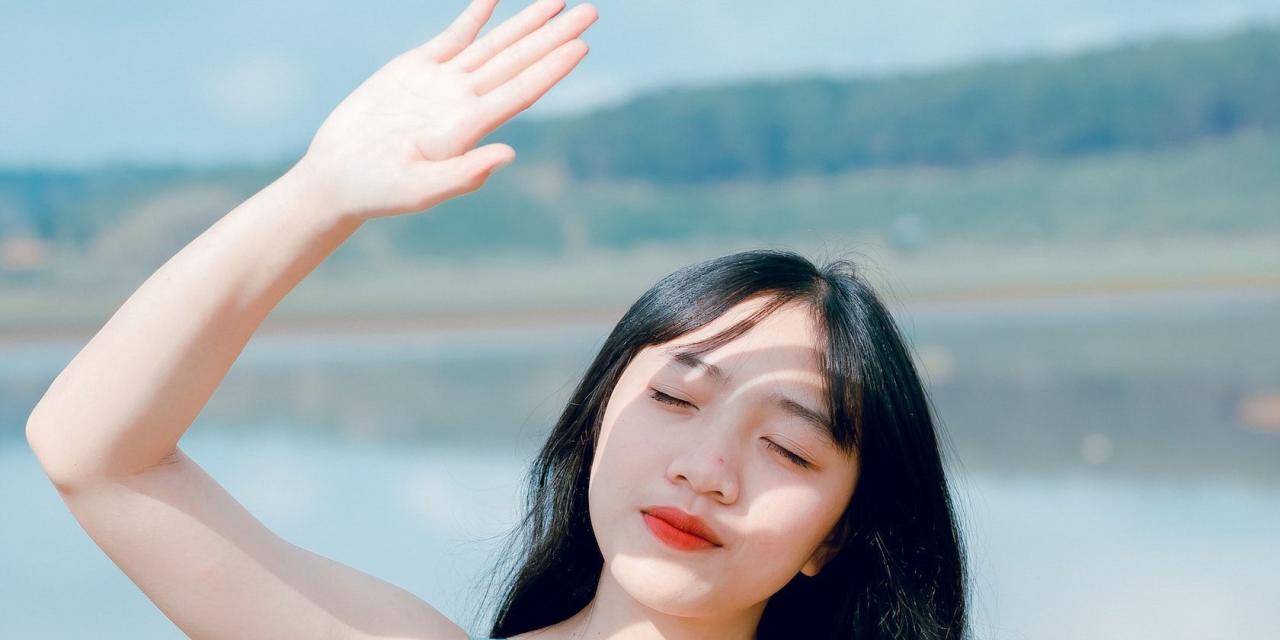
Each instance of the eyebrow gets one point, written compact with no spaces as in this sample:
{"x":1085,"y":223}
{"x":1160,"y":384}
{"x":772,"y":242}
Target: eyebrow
{"x":814,"y":419}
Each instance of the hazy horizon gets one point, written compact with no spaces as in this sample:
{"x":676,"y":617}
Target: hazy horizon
{"x":152,"y":82}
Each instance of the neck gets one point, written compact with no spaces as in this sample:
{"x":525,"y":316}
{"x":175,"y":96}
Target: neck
{"x":614,"y":614}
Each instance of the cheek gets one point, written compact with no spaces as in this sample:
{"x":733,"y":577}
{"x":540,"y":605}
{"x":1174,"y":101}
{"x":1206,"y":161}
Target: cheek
{"x":629,"y":430}
{"x":620,"y":403}
{"x":789,"y":521}
{"x":626,"y":465}
{"x":625,"y":446}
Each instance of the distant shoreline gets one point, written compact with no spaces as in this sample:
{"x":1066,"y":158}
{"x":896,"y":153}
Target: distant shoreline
{"x":497,"y":319}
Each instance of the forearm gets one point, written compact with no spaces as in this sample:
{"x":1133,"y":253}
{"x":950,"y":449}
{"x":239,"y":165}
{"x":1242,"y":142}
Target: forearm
{"x":125,"y":400}
{"x":402,"y":142}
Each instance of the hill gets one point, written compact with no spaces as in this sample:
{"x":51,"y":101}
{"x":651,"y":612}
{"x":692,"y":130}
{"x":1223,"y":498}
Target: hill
{"x":1149,"y":163}
{"x":1146,"y":95}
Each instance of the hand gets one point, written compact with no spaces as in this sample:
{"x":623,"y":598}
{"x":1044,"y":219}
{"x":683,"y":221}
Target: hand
{"x":403,"y":140}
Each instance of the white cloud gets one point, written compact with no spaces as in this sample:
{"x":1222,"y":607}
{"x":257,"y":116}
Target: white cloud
{"x":256,"y":89}
{"x":241,"y":80}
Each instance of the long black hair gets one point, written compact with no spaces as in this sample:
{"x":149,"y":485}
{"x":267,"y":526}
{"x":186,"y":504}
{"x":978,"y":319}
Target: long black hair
{"x":899,"y":571}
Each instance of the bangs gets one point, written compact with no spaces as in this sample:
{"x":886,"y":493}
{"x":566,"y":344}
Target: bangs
{"x":843,"y":390}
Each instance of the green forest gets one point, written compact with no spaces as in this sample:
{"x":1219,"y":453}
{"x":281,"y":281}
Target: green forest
{"x":1149,"y":95}
{"x":1032,"y":170}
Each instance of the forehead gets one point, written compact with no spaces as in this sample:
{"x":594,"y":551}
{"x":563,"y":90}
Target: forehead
{"x":787,"y":338}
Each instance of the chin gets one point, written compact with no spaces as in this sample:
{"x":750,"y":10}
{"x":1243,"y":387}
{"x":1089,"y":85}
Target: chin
{"x":665,"y":585}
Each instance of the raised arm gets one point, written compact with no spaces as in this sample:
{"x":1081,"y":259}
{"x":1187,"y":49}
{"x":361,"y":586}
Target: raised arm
{"x":106,"y":431}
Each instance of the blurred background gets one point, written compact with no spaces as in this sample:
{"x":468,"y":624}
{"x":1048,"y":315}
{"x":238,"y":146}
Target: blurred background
{"x":1072,"y":208}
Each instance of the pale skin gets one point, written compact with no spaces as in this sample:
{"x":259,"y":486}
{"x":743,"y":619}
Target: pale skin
{"x":720,"y":447}
{"x":107,"y":430}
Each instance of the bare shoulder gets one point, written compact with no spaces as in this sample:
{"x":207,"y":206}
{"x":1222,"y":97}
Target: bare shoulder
{"x":568,"y":628}
{"x":217,"y":572}
{"x":553,"y":632}
{"x":537,"y":634}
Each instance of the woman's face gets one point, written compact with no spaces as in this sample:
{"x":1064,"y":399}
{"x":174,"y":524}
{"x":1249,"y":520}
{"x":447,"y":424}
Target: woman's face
{"x":715,"y":458}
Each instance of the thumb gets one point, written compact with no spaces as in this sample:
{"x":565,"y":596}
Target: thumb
{"x":475,"y":166}
{"x":499,"y":156}
{"x":461,"y":174}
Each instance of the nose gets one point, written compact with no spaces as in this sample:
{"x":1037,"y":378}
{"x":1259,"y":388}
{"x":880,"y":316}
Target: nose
{"x":708,"y":466}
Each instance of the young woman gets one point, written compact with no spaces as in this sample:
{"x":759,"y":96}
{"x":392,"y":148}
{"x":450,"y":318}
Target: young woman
{"x":751,"y":454}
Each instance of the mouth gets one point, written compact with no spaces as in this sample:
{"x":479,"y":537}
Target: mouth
{"x":680,"y":530}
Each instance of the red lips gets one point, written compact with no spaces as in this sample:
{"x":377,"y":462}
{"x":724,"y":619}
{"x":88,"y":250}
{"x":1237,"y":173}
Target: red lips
{"x":685,"y":522}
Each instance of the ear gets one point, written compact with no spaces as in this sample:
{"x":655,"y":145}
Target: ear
{"x":829,"y":549}
{"x":820,"y":557}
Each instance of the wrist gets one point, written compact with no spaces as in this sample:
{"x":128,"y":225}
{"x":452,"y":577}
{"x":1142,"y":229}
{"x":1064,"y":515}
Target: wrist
{"x":302,"y":186}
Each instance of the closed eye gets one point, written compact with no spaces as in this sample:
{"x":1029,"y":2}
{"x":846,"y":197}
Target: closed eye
{"x":666,"y":399}
{"x":790,"y":456}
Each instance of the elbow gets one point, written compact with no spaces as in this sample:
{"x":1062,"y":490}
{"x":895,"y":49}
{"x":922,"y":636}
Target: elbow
{"x":36,"y":435}
{"x":38,"y":442}
{"x":70,"y":462}
{"x":47,"y":453}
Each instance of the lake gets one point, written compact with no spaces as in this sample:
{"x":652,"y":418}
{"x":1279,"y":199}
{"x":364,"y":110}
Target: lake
{"x":1115,"y":475}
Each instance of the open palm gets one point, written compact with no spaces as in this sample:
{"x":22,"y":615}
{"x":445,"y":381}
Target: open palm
{"x":405,"y":139}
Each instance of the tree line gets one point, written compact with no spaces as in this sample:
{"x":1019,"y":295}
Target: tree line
{"x":1139,"y":96}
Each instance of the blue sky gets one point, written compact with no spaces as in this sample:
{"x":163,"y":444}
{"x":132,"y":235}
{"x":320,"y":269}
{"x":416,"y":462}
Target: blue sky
{"x":86,"y":82}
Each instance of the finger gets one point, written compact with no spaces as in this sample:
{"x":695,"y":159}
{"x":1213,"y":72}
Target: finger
{"x":502,"y":36}
{"x":466,"y":172}
{"x":532,"y":48}
{"x":504,"y":102}
{"x":459,"y":34}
